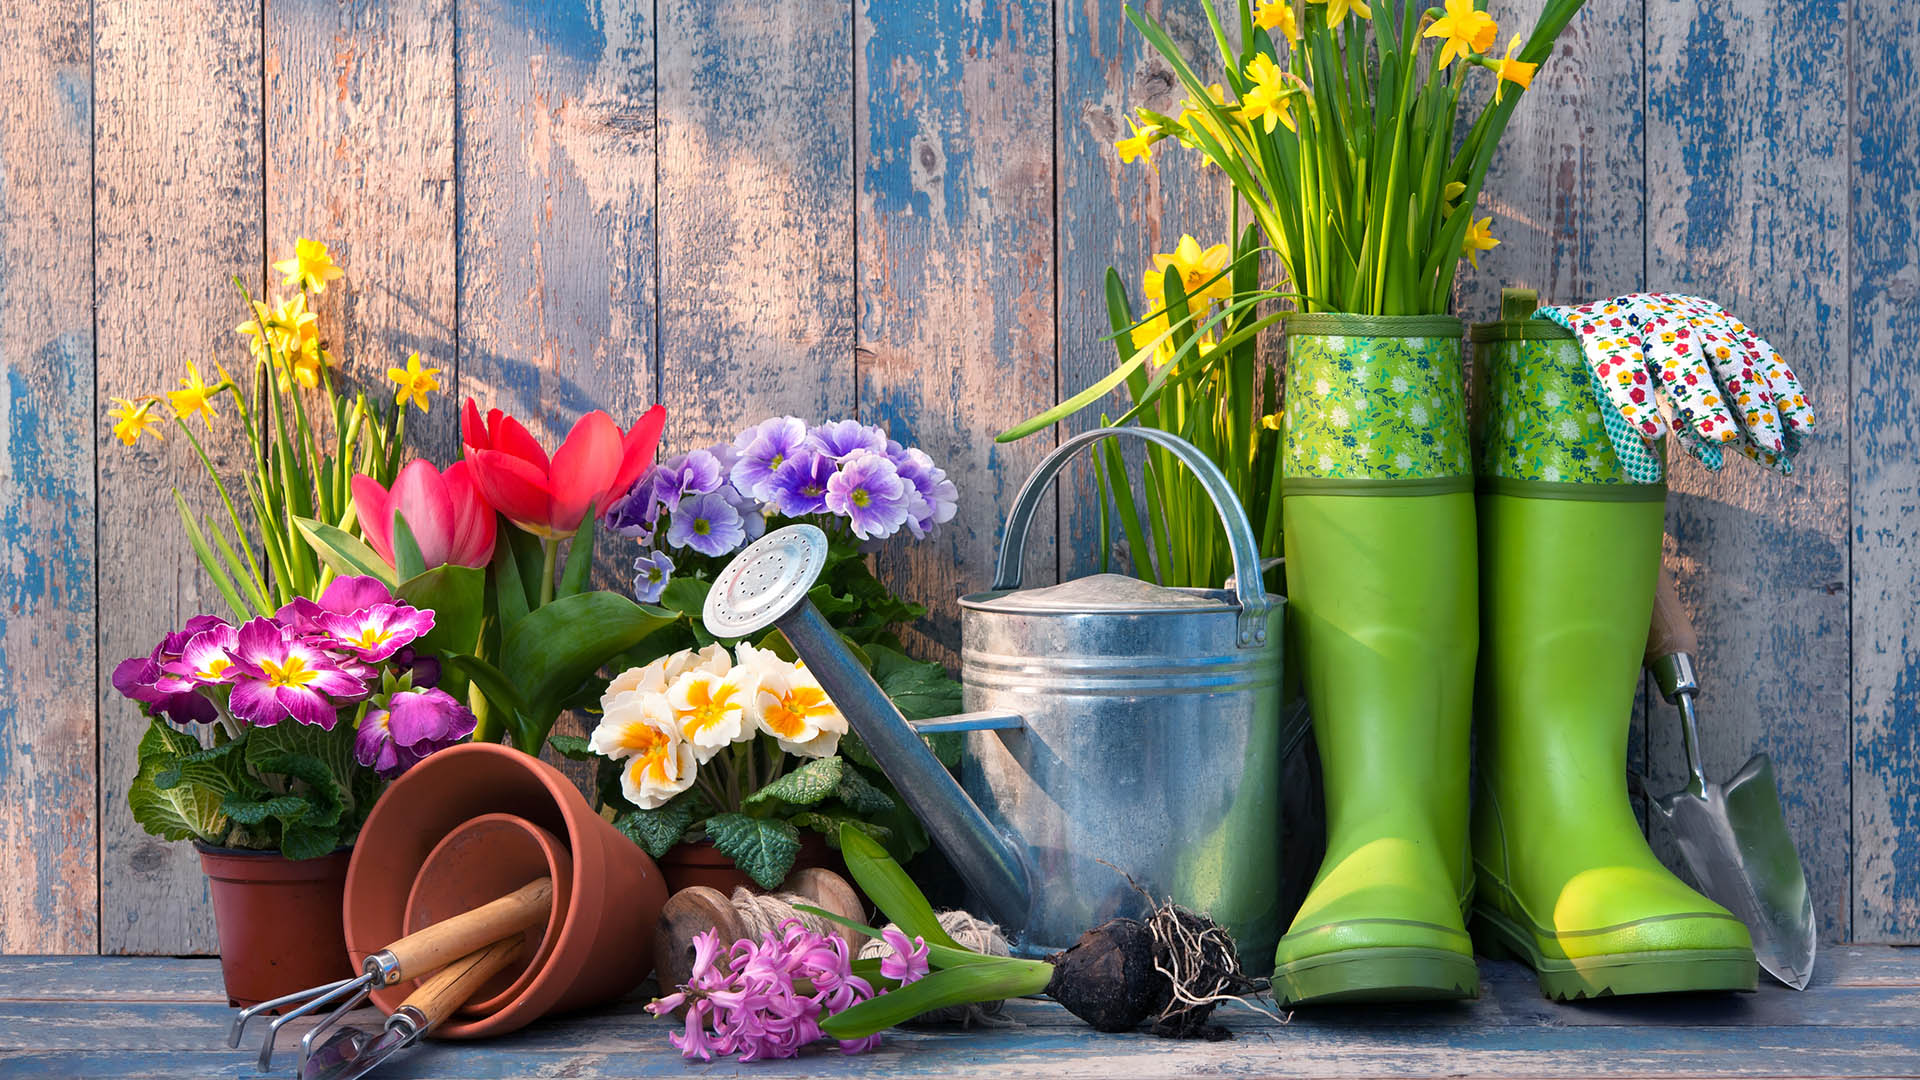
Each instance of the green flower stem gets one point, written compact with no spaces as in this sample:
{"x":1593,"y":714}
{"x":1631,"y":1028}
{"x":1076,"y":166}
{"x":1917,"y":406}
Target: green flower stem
{"x":549,"y":559}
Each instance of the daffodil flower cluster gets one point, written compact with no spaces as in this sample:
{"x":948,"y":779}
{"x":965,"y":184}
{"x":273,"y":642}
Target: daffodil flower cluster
{"x":1336,"y":128}
{"x":667,"y":721}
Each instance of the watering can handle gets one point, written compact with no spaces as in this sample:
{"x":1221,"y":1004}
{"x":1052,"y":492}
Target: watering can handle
{"x":1247,"y":583}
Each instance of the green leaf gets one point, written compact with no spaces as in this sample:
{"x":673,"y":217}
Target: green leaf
{"x":658,"y":830}
{"x":287,"y":808}
{"x":862,"y":797}
{"x":457,"y":597}
{"x":889,"y":887}
{"x":920,"y":689}
{"x":321,"y":760}
{"x":492,"y":682}
{"x":346,"y":553}
{"x":573,"y":579}
{"x":964,"y":985}
{"x":207,"y":562}
{"x":686,"y":595}
{"x":509,"y":592}
{"x":572,"y":747}
{"x":407,"y":560}
{"x":763,"y":849}
{"x":187,"y":810}
{"x":828,"y":823}
{"x":558,"y":647}
{"x":804,"y":786}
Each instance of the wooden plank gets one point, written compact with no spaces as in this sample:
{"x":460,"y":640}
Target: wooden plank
{"x":1885,"y":274}
{"x":1747,"y":199}
{"x":1117,"y":215}
{"x":177,"y":215}
{"x":110,"y":978}
{"x":956,"y":278}
{"x":359,"y":154}
{"x":755,"y":214}
{"x":48,"y":900}
{"x":1261,"y":1048}
{"x":556,"y":150}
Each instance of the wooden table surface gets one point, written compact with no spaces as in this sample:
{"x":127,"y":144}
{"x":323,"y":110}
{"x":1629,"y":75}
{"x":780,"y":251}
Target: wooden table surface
{"x":73,"y":1017}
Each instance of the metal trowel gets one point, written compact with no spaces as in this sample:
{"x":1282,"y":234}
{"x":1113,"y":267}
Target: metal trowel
{"x":351,"y":1053}
{"x":1733,"y":836}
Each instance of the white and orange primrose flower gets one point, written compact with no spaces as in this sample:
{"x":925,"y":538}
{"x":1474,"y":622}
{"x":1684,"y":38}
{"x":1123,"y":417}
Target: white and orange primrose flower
{"x":712,"y":711}
{"x":641,"y":731}
{"x":792,"y":707}
{"x":654,"y":678}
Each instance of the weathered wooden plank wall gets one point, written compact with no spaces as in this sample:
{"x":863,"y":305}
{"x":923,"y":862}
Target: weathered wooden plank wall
{"x":904,"y":210}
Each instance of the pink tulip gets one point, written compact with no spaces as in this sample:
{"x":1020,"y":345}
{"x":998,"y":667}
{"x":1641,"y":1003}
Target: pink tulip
{"x":595,"y":464}
{"x":448,"y":518}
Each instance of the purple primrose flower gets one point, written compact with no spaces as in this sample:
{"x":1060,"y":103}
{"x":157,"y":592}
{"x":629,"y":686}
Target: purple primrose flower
{"x":412,"y":725}
{"x":636,"y":512}
{"x":692,"y":474}
{"x":655,"y":570}
{"x":280,"y":675}
{"x":375,"y":633}
{"x":344,"y":596}
{"x":841,"y":438}
{"x":800,"y":484}
{"x":709,"y":524}
{"x":938,"y":497}
{"x":763,"y":448}
{"x":207,"y":660}
{"x":870,"y":494}
{"x":144,"y":679}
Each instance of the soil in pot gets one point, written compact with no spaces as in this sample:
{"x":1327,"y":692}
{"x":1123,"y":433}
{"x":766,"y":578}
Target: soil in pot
{"x":278,"y":920}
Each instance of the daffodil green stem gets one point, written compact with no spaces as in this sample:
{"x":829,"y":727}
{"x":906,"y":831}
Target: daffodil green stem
{"x":226,"y":498}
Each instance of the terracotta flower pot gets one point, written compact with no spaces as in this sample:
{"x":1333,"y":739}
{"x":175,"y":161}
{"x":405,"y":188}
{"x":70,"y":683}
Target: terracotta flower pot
{"x":278,"y":919}
{"x":614,"y":898}
{"x":702,"y":864}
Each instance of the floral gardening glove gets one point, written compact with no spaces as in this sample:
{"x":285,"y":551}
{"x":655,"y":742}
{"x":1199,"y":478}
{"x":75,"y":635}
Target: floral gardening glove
{"x":1722,"y":383}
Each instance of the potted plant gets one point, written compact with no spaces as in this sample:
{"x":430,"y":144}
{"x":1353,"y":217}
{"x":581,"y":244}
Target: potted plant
{"x":725,"y":760}
{"x":271,"y":732}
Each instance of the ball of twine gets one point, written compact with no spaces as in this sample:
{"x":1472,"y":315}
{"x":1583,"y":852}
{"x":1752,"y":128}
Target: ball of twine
{"x":977,"y":935}
{"x":762,"y":914}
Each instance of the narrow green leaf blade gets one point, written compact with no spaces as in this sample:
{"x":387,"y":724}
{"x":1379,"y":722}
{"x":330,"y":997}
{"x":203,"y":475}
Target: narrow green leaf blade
{"x":407,"y":560}
{"x":1003,"y":978}
{"x":346,"y":553}
{"x":889,"y":887}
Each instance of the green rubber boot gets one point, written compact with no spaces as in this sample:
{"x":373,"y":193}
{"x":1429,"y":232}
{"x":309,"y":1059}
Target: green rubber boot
{"x":1379,"y":526}
{"x":1569,"y":555}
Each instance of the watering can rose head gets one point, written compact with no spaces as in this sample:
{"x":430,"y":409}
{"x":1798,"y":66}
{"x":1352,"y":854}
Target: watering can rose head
{"x":549,"y":497}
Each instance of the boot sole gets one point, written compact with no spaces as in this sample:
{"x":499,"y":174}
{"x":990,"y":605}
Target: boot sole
{"x":1380,"y":974}
{"x":1665,"y":971}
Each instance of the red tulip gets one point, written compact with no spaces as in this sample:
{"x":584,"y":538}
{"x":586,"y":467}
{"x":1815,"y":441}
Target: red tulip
{"x":449,"y":520}
{"x":595,"y":464}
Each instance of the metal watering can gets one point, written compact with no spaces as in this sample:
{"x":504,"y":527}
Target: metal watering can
{"x":1124,"y":733}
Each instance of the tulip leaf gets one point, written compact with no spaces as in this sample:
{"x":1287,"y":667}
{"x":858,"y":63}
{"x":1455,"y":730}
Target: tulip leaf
{"x":491,"y":680}
{"x":573,"y":579}
{"x":457,"y":597}
{"x":509,"y":591}
{"x":1004,"y":978}
{"x":407,"y":560}
{"x":530,"y":558}
{"x":556,"y":648}
{"x":889,"y":887}
{"x":346,"y":553}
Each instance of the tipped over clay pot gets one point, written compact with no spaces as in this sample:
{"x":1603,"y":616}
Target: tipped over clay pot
{"x":604,"y":936}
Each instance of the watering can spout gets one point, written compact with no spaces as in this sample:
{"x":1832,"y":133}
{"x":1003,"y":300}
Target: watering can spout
{"x":766,"y":586}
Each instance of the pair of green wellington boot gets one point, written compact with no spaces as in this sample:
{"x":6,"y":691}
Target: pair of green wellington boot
{"x":1399,"y":579}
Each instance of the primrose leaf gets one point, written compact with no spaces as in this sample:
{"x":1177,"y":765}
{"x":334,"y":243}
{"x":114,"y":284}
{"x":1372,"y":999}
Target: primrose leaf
{"x":657,"y":831}
{"x":861,"y":796}
{"x":804,"y":786}
{"x":828,"y":823}
{"x":763,"y":849}
{"x":189,"y":809}
{"x":572,"y":747}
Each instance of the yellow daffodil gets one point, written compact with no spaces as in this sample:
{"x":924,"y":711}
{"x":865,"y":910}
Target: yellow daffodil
{"x":1139,"y":145}
{"x":1271,"y":421}
{"x":1466,"y":30}
{"x":1194,"y":117}
{"x":1267,"y":99}
{"x":414,"y":381}
{"x":1196,"y":267}
{"x":1278,"y":15}
{"x":194,"y":397}
{"x":1479,"y":238}
{"x":1517,"y":72}
{"x":130,"y":420}
{"x":310,"y":268}
{"x":1337,"y":9}
{"x":1452,"y":191}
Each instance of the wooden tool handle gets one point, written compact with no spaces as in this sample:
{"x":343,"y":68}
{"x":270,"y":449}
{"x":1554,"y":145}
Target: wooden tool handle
{"x":448,"y":940}
{"x":449,"y":988}
{"x":1672,"y":630}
